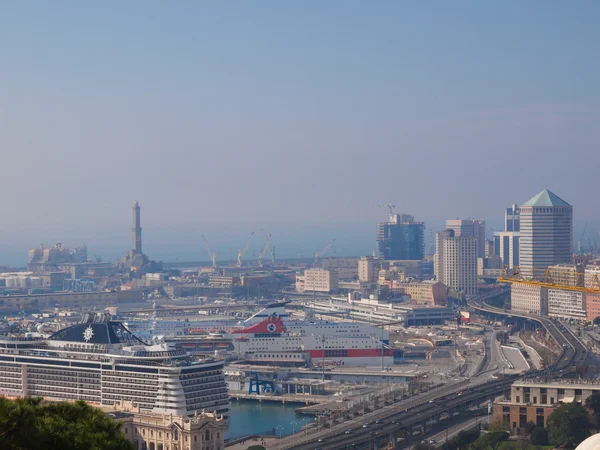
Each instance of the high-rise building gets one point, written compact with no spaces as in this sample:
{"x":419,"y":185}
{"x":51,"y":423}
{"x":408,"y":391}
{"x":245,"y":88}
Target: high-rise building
{"x":506,"y":243}
{"x":438,"y":258}
{"x":456,"y":261}
{"x":546,"y":232}
{"x":401,"y":238}
{"x":512,"y":218}
{"x":469,"y":228}
{"x":506,"y":246}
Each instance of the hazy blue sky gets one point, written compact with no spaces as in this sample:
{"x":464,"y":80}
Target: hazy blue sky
{"x":296,"y":117}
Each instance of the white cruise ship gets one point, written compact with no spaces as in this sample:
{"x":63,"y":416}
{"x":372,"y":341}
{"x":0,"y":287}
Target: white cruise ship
{"x":101,"y":362}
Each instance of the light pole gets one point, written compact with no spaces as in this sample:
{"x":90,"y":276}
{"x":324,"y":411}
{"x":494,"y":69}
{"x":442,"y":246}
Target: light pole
{"x":293,"y":424}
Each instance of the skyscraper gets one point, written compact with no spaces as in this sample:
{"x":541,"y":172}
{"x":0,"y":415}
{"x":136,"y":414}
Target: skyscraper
{"x":512,"y":218}
{"x":469,"y":228}
{"x":546,"y":232}
{"x":401,"y":238}
{"x":456,"y":261}
{"x":506,"y":243}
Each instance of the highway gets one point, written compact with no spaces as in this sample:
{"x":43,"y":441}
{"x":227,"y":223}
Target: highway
{"x":432,"y":404}
{"x":475,"y":394}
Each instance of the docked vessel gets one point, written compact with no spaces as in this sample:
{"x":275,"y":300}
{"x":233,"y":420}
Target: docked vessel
{"x":102,"y":362}
{"x":271,"y":339}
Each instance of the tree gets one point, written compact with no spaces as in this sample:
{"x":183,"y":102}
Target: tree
{"x":597,"y":321}
{"x":568,"y":425}
{"x":593,"y":404}
{"x":490,"y":440}
{"x":28,"y":424}
{"x":256,"y":447}
{"x":539,"y":436}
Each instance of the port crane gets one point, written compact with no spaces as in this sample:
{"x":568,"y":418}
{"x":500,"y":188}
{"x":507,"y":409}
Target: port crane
{"x":268,"y":247}
{"x":213,"y":255}
{"x":242,"y":251}
{"x":322,"y":252}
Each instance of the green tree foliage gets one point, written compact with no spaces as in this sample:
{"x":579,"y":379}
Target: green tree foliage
{"x":539,"y":436}
{"x":490,"y":441}
{"x":593,"y":404}
{"x":569,"y":425}
{"x":462,"y":440}
{"x":256,"y":447}
{"x":29,"y":424}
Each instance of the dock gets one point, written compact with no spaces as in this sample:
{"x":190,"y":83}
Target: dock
{"x":300,"y":399}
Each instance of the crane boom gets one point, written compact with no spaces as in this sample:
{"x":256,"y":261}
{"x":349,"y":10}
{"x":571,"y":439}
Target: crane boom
{"x":213,"y":255}
{"x":242,"y":251}
{"x":264,"y":250}
{"x":323,"y":251}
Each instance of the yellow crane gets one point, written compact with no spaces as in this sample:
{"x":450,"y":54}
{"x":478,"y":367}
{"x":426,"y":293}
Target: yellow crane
{"x":213,"y":255}
{"x":242,"y":251}
{"x":267,"y":247}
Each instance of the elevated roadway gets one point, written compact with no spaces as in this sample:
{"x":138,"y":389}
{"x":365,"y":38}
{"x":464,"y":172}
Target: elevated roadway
{"x":397,"y":421}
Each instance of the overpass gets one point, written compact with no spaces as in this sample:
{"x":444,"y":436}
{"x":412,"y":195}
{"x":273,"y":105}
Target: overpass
{"x":398,"y":421}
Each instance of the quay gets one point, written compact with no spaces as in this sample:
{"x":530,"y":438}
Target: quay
{"x":300,"y":399}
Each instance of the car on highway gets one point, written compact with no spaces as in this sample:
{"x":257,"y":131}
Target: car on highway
{"x":366,"y":425}
{"x":348,"y":432}
{"x":380,"y":420}
{"x":321,"y":440}
{"x":432,"y":441}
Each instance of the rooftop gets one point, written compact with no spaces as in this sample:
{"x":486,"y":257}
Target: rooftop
{"x":546,"y":198}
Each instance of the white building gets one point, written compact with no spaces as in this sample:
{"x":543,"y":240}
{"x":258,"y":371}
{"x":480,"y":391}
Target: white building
{"x":529,"y":298}
{"x":438,"y":258}
{"x":546,"y":236}
{"x":317,"y":280}
{"x":456,"y":259}
{"x":566,"y":303}
{"x":506,"y":246}
{"x":469,"y":228}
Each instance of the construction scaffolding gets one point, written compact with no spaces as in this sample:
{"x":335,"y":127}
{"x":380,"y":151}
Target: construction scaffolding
{"x":568,"y":278}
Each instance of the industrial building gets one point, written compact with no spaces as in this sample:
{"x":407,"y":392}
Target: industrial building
{"x":546,"y":232}
{"x":401,"y":238}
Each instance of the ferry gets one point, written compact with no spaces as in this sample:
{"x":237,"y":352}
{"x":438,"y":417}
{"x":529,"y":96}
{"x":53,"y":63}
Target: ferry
{"x":271,"y":339}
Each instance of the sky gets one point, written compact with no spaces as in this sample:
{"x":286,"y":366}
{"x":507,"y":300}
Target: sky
{"x":294,"y":118}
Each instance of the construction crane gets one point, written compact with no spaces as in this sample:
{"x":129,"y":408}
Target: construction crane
{"x":322,"y":252}
{"x":267,"y":247}
{"x":242,"y":251}
{"x":213,"y":255}
{"x":388,"y":206}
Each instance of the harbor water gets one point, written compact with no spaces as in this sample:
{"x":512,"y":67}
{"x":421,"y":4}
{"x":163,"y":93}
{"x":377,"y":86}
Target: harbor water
{"x":249,"y":417}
